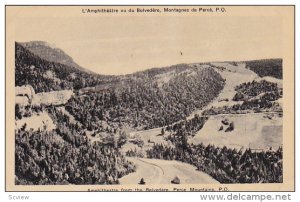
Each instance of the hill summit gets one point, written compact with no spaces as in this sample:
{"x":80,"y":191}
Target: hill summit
{"x":51,"y":53}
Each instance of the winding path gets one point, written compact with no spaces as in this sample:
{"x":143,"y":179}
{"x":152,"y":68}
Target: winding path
{"x":155,"y":171}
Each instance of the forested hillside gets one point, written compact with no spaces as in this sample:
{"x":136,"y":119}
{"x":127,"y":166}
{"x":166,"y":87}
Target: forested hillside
{"x":105,"y":114}
{"x":45,"y":76}
{"x":151,"y":98}
{"x":65,"y":156}
{"x":141,"y":101}
{"x":267,"y":67}
{"x":51,"y":53}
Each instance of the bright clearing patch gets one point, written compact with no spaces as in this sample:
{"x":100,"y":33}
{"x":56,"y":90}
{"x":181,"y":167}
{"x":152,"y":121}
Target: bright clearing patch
{"x":40,"y":121}
{"x":257,"y":131}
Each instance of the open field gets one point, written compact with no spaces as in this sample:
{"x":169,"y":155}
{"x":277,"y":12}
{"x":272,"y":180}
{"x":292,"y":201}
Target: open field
{"x":35,"y":122}
{"x":259,"y":131}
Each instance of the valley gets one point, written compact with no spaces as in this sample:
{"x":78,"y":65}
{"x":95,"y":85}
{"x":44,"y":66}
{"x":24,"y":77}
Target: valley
{"x":201,"y":122}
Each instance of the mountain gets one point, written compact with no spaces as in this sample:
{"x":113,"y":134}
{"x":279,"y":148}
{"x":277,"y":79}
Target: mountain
{"x":107,"y":113}
{"x":44,"y":75}
{"x":147,"y":99}
{"x":51,"y":53}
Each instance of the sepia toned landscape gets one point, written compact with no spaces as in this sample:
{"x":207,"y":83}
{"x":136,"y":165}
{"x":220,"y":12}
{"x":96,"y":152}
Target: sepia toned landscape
{"x":188,"y":123}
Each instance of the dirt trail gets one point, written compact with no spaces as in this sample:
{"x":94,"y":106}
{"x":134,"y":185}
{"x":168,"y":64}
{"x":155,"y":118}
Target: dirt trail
{"x":155,"y":171}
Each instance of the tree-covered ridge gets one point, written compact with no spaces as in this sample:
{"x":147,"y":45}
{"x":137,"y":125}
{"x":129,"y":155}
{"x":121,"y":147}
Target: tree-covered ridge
{"x":252,"y":89}
{"x":51,"y":53}
{"x":45,"y":76}
{"x":142,"y":102}
{"x":266,"y":67}
{"x":104,"y":113}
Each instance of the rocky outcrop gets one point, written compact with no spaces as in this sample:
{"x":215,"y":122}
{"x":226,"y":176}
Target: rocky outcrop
{"x":25,"y":96}
{"x":52,"y":98}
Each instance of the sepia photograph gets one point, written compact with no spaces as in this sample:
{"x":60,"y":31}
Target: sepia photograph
{"x":150,"y":98}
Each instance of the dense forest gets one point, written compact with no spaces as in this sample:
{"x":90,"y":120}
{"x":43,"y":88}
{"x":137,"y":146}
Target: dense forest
{"x":66,"y":156}
{"x":190,"y":126}
{"x":224,"y":164}
{"x":267,"y":67}
{"x":141,"y":102}
{"x":249,"y":90}
{"x":157,"y":97}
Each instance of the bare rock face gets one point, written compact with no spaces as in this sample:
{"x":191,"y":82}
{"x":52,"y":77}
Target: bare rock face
{"x":52,"y":98}
{"x":25,"y":95}
{"x":25,"y":90}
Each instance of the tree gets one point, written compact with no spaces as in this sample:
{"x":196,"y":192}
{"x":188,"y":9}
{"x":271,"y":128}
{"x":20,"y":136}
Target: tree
{"x":122,"y":138}
{"x":18,"y":114}
{"x":162,"y":131}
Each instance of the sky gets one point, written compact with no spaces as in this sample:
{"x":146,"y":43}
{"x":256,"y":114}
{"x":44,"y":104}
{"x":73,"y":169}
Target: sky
{"x":125,"y":44}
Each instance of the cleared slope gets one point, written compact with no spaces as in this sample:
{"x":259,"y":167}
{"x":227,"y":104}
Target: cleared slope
{"x":259,"y":131}
{"x":234,"y":75}
{"x":36,"y":122}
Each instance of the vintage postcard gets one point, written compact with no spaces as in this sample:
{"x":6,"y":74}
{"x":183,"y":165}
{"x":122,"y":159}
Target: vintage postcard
{"x":150,"y":98}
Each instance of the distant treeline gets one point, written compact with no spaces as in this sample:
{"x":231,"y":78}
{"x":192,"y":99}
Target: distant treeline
{"x":266,"y":67}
